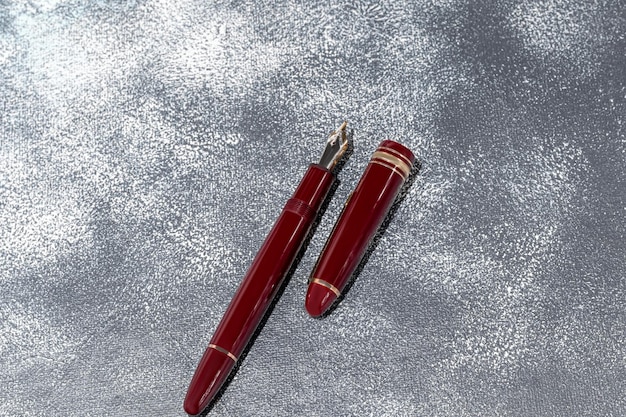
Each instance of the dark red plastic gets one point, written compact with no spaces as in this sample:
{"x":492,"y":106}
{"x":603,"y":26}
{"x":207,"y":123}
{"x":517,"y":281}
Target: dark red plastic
{"x":259,"y":287}
{"x":363,"y":214}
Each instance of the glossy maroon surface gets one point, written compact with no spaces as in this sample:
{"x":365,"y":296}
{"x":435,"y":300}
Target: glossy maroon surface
{"x":211,"y":373}
{"x":259,"y":286}
{"x":363,"y":214}
{"x":318,"y":299}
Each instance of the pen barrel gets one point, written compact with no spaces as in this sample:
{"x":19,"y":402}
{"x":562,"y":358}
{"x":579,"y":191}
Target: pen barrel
{"x":272,"y":262}
{"x":258,"y":288}
{"x":363,"y":214}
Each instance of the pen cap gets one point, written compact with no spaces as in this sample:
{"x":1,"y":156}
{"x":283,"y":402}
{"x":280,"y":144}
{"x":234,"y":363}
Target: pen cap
{"x":395,"y":156}
{"x":363,"y":213}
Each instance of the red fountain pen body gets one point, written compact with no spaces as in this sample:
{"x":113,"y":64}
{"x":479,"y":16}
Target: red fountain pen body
{"x":263,"y":280}
{"x":363,"y":213}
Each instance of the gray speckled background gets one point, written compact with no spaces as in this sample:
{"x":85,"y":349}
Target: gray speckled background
{"x":146,"y":147}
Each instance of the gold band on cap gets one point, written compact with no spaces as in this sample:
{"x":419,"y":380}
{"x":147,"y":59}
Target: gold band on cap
{"x":224,"y":351}
{"x":327,"y":285}
{"x":396,"y":162}
{"x":396,"y":153}
{"x":391,"y":167}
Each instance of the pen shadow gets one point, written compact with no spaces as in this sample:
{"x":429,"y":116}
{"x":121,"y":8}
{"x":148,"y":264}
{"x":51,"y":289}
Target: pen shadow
{"x":296,"y":262}
{"x":376,"y":239}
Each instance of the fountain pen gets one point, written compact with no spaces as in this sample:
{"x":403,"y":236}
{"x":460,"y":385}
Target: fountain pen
{"x":264,"y":277}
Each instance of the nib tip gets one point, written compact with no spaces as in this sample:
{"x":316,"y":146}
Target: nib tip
{"x":336,"y":146}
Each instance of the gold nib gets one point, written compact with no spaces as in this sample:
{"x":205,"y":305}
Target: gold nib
{"x":336,"y":146}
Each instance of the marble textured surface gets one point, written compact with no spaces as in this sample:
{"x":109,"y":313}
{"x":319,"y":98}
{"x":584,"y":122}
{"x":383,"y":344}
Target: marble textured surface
{"x":146,"y":147}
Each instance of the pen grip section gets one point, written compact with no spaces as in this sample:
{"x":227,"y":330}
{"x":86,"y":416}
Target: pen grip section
{"x":272,"y":262}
